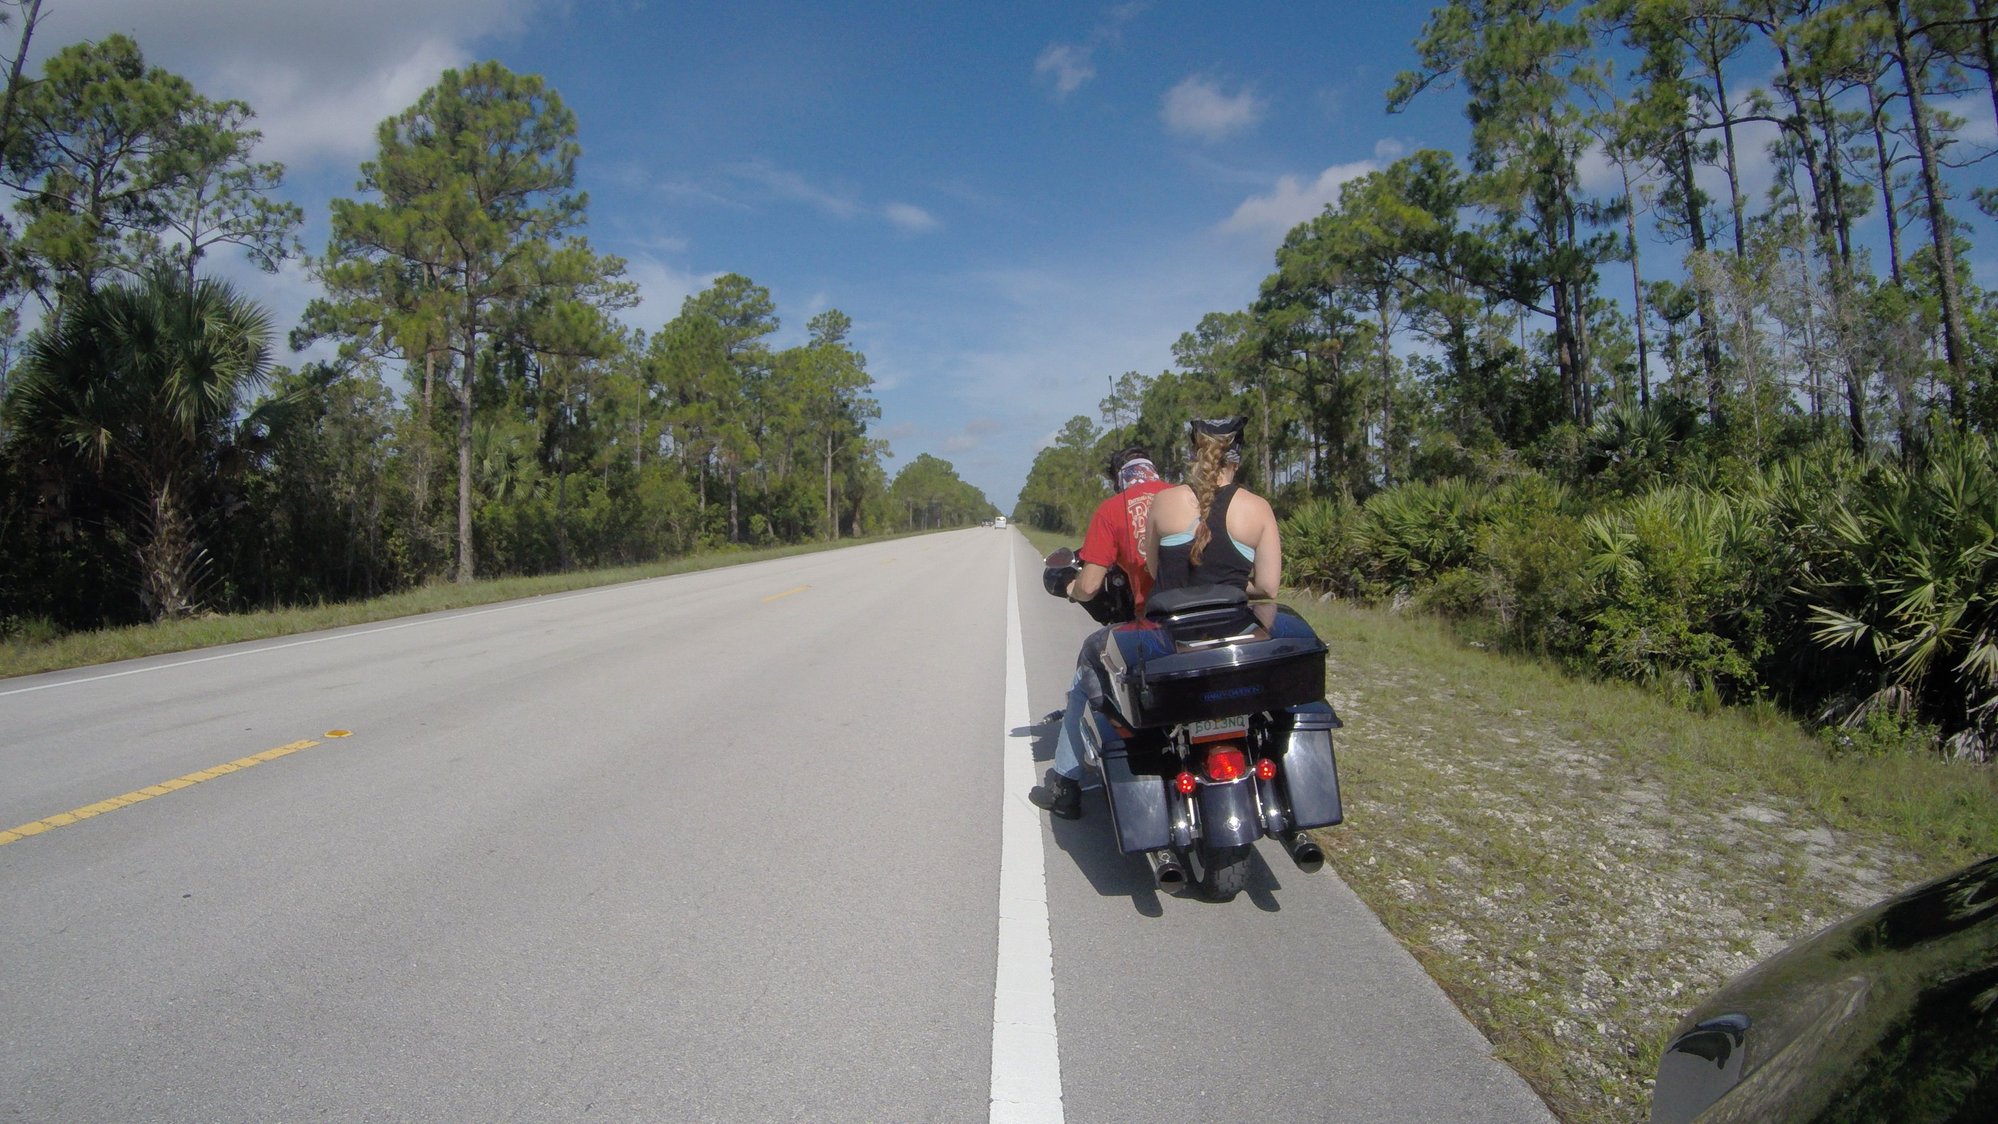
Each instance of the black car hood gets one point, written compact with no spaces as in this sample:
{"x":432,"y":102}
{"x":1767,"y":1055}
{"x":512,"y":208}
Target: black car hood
{"x":1889,"y":1015}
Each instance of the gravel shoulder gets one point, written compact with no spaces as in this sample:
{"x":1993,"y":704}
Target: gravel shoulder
{"x":1578,"y":863}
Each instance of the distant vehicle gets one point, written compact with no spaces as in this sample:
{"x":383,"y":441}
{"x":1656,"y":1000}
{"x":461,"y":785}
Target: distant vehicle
{"x":1889,"y":1015}
{"x":999,"y":521}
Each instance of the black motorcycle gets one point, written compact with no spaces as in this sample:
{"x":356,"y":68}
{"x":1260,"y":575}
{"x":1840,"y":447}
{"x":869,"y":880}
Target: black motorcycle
{"x":1209,"y":728}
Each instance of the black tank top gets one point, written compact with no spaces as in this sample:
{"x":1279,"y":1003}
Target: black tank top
{"x":1220,"y":564}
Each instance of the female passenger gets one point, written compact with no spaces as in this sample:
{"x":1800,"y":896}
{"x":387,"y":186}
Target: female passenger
{"x":1210,"y":530}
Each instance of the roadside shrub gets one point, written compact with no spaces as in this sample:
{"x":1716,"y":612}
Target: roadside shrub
{"x":1672,"y":598}
{"x":1410,"y":534}
{"x":1318,"y":547}
{"x":1909,"y":584}
{"x":1798,"y":499}
{"x":29,"y":631}
{"x":1459,"y":595}
{"x":1631,"y":447}
{"x":1879,"y":731}
{"x":1534,"y":556}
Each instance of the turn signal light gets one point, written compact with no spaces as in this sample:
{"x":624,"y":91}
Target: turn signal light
{"x":1266,"y":769}
{"x":1226,"y":763}
{"x":1186,"y":783}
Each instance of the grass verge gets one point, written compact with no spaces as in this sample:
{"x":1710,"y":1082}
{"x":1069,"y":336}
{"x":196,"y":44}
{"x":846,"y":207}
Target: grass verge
{"x":1576,"y":863}
{"x":82,"y":649}
{"x":1047,"y":542}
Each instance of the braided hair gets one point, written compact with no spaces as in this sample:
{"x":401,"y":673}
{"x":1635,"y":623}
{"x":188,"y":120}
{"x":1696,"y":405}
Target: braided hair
{"x":1214,"y":448}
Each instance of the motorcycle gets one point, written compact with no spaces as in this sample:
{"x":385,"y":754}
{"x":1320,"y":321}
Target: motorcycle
{"x":1208,"y":727}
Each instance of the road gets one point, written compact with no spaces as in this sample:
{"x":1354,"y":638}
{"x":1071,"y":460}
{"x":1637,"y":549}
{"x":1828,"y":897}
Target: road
{"x":719,"y":846}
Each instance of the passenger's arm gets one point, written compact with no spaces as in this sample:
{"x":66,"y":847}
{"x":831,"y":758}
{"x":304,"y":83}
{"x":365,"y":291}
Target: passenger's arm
{"x":1266,"y":573}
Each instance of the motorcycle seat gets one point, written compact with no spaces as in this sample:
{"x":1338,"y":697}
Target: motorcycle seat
{"x":1195,"y":601}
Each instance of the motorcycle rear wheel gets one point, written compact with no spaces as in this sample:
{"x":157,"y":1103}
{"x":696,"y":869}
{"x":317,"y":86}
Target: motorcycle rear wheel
{"x":1224,"y":871}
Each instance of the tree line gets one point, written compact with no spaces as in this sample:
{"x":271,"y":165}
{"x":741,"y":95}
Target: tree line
{"x":1737,"y":444}
{"x":488,"y":411}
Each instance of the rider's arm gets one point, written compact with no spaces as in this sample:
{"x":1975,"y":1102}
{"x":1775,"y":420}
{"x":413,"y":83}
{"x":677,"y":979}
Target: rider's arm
{"x":1088,"y":583}
{"x":1099,"y":551}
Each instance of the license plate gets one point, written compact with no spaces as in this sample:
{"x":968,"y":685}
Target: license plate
{"x":1216,"y":729}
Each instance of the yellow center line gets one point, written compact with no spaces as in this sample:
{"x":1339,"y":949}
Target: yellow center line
{"x":139,"y":796}
{"x":786,"y":593}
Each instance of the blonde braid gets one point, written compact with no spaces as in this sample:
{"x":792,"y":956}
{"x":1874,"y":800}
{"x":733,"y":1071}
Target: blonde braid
{"x":1208,"y":455}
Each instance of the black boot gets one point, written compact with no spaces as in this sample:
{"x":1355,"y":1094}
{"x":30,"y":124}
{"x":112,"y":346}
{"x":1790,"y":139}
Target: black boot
{"x":1059,"y":795}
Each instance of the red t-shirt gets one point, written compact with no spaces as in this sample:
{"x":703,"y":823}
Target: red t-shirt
{"x":1116,"y":535}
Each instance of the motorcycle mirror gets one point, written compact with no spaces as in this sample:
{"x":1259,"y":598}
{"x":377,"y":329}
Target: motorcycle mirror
{"x":1062,"y":557}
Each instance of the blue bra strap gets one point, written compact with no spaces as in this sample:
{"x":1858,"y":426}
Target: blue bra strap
{"x":1184,"y":537}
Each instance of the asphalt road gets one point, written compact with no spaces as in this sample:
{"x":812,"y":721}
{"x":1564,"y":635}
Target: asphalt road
{"x":721,"y":846}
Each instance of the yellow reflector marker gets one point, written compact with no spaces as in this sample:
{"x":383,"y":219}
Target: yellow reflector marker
{"x":64,"y":819}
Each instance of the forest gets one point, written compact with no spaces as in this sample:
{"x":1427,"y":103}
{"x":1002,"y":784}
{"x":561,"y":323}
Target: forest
{"x":488,"y":413}
{"x":1582,"y":393}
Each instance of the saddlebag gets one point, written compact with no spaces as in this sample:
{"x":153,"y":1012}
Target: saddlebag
{"x":1310,"y":770}
{"x":1139,"y":812}
{"x":1165,"y":672}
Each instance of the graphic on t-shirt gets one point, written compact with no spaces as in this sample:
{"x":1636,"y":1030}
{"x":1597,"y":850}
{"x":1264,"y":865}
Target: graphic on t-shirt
{"x":1139,"y":510}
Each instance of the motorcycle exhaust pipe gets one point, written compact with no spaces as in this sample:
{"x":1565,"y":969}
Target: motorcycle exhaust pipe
{"x":1306,"y":853}
{"x":1167,"y":874}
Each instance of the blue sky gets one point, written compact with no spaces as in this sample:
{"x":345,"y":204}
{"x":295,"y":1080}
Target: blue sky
{"x":1015,"y":202}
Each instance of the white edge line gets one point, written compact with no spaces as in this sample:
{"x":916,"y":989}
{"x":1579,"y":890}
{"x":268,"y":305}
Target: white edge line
{"x":1026,"y":1056}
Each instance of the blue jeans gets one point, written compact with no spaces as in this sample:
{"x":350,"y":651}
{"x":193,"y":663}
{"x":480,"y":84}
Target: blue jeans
{"x":1068,"y":742}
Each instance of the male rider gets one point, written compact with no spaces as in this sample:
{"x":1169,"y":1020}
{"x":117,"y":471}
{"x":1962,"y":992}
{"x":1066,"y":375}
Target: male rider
{"x":1116,"y":537}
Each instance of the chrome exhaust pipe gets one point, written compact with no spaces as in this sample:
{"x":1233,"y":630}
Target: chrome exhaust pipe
{"x":1167,"y":874}
{"x":1305,"y":852}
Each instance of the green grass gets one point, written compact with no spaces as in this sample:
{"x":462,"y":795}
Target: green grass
{"x":107,"y":645}
{"x":1576,"y":862}
{"x":1047,"y":542}
{"x":1945,"y":814}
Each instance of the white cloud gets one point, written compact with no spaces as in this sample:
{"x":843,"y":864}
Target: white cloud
{"x":319,"y":76}
{"x":1596,"y":173}
{"x":910,"y":217}
{"x":1293,"y":201}
{"x":1197,"y":107}
{"x":1979,"y":126}
{"x":782,"y":183}
{"x":786,"y":184}
{"x":1070,"y":65}
{"x":1755,"y":168}
{"x":662,"y":289}
{"x":1067,"y":65}
{"x":304,"y":123}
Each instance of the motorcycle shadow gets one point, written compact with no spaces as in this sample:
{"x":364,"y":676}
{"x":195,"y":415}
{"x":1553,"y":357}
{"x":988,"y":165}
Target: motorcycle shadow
{"x":1114,"y":874}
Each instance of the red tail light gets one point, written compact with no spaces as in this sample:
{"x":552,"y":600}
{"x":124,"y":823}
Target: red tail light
{"x":1186,"y":783}
{"x":1266,"y":769}
{"x":1226,"y":762}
